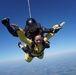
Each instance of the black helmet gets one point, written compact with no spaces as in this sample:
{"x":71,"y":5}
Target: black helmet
{"x":31,"y":21}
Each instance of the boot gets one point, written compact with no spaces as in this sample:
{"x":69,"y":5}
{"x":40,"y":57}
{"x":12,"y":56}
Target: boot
{"x":6,"y":22}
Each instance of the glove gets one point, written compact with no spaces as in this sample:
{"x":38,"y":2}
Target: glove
{"x":56,"y":30}
{"x":6,"y":22}
{"x":19,"y":44}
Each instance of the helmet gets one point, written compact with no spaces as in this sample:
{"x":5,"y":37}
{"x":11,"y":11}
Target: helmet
{"x":31,"y":21}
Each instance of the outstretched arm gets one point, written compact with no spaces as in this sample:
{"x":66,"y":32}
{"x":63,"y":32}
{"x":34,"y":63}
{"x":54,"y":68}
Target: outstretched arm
{"x":56,"y":28}
{"x":47,"y":30}
{"x":51,"y":30}
{"x":21,"y":35}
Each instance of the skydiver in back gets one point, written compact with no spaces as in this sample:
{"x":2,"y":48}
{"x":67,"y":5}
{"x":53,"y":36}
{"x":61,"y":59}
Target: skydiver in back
{"x":32,"y":28}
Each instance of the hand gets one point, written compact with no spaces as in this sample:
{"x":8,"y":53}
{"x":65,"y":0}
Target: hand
{"x":15,"y":26}
{"x":19,"y":43}
{"x":62,"y":24}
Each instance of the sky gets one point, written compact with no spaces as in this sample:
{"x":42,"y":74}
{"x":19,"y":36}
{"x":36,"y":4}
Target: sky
{"x":45,"y":12}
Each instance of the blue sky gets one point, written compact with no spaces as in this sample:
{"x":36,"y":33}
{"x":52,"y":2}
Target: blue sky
{"x":45,"y":12}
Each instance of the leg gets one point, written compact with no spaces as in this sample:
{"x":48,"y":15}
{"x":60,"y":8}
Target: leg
{"x":28,"y":58}
{"x":6,"y":23}
{"x":12,"y":31}
{"x":41,"y":56}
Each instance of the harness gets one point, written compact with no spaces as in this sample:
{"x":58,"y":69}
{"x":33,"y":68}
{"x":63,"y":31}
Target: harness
{"x":45,"y":45}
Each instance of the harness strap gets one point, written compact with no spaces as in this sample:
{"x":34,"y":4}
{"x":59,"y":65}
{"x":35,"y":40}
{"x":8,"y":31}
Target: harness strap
{"x":38,"y":54}
{"x":45,"y":45}
{"x":35,"y":56}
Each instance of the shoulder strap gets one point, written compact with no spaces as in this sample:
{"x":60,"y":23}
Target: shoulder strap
{"x":32,"y":47}
{"x":38,"y":25}
{"x":40,"y":29}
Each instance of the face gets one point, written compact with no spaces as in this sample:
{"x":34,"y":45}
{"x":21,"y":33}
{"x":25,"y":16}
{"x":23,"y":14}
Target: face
{"x":32,"y":28}
{"x":38,"y":40}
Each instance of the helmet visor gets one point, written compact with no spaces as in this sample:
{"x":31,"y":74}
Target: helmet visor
{"x":32,"y":28}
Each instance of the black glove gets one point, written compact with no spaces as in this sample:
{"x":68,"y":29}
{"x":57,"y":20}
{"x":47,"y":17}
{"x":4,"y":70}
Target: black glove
{"x":6,"y":22}
{"x":19,"y":44}
{"x":55,"y":30}
{"x":47,"y":45}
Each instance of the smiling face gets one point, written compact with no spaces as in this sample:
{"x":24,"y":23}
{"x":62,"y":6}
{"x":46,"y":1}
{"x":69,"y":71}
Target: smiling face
{"x":38,"y":40}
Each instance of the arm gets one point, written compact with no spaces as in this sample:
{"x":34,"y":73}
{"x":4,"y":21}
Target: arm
{"x":49,"y":35}
{"x":46,"y":30}
{"x":54,"y":29}
{"x":21,"y":35}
